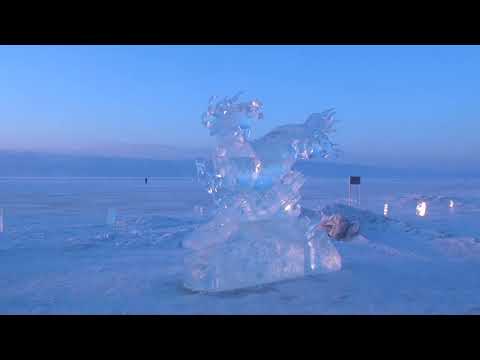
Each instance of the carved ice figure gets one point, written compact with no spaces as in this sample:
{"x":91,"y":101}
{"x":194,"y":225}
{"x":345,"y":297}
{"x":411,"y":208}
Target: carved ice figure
{"x":256,"y":234}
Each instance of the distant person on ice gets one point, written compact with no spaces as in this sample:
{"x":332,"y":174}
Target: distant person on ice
{"x":146,"y":180}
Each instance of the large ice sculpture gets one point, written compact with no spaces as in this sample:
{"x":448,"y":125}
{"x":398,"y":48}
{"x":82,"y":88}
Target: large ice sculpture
{"x":257,"y":233}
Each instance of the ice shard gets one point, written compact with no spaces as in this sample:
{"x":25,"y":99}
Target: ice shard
{"x":256,"y":234}
{"x":1,"y":220}
{"x":111,"y":216}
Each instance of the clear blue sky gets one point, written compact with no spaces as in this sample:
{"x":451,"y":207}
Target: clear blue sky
{"x":408,"y":105}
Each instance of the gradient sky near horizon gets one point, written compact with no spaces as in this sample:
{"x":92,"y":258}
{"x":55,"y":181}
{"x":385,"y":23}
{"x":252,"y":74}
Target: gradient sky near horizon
{"x":401,"y":105}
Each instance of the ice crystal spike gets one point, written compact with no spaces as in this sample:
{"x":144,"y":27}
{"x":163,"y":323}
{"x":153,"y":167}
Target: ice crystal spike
{"x":256,"y":234}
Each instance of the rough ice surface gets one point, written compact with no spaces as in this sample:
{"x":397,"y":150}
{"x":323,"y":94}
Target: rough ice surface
{"x":58,"y":255}
{"x":256,"y":234}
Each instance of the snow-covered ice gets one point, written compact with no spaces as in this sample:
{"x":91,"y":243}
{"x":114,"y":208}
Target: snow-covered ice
{"x":62,"y":251}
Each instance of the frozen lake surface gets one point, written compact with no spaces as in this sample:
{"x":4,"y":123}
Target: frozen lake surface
{"x":113,"y":246}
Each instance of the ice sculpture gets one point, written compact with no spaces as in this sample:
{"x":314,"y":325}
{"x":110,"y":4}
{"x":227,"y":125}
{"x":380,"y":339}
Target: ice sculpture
{"x":257,"y":233}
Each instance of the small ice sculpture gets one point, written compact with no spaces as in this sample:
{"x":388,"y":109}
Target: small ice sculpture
{"x":1,"y":220}
{"x":257,"y":234}
{"x":111,"y":216}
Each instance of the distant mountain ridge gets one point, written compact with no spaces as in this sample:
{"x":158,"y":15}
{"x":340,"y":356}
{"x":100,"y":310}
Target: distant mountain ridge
{"x":31,"y":164}
{"x":121,"y":150}
{"x":35,"y":164}
{"x":143,"y":151}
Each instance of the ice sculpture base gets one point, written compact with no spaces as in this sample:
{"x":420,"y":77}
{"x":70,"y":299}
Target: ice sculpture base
{"x":256,"y":253}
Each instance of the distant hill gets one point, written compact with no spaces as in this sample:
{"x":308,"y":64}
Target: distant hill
{"x":138,"y":151}
{"x":335,"y":169}
{"x":120,"y":150}
{"x":31,"y":164}
{"x":34,"y":164}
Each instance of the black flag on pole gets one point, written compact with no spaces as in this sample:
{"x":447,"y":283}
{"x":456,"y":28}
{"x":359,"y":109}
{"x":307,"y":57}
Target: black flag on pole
{"x":354,"y":180}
